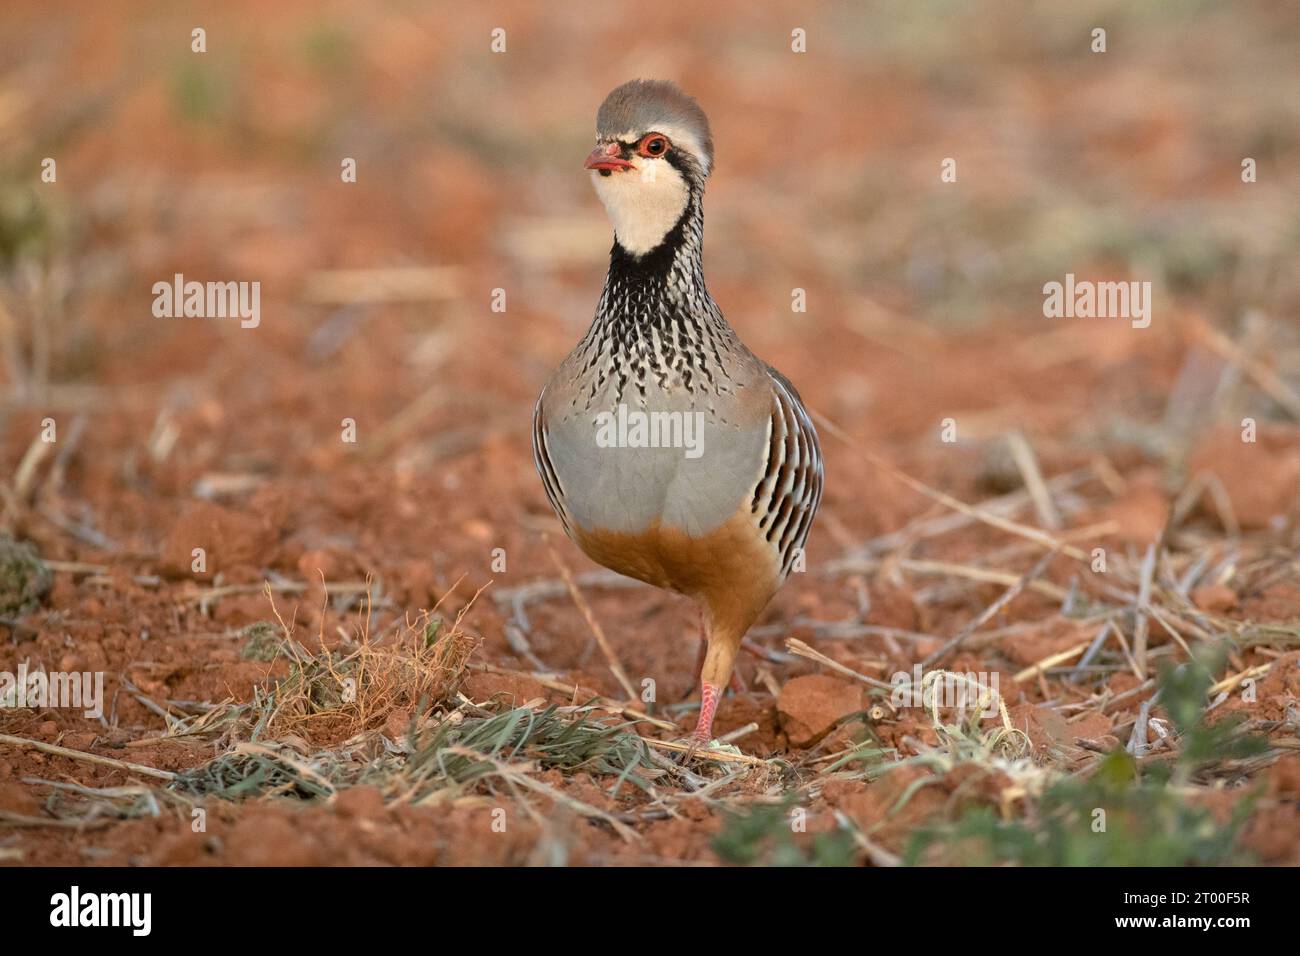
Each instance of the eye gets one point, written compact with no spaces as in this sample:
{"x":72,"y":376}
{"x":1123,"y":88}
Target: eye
{"x":653,"y":144}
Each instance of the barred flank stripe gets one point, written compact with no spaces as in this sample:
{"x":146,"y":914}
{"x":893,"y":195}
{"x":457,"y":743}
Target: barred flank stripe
{"x":787,"y":495}
{"x":542,"y":461}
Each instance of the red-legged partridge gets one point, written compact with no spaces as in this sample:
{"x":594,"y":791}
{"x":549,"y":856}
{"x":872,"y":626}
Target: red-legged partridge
{"x":668,"y":450}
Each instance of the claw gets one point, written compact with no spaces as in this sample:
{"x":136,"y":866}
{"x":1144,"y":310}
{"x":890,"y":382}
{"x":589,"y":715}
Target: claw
{"x":694,"y":743}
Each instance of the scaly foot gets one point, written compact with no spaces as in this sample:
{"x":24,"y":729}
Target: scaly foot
{"x":702,"y":735}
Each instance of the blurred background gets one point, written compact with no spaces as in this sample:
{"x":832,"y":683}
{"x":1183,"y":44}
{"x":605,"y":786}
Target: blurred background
{"x":924,"y":298}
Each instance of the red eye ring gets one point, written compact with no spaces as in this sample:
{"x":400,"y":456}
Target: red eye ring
{"x":653,"y":145}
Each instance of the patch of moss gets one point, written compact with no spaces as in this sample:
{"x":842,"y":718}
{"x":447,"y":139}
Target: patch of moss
{"x":24,"y":578}
{"x":261,"y":641}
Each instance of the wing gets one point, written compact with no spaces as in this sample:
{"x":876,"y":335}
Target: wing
{"x":542,"y":461}
{"x":787,"y":494}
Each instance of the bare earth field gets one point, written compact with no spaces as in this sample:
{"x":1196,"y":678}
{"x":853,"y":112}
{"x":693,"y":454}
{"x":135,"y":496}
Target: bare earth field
{"x":391,"y":653}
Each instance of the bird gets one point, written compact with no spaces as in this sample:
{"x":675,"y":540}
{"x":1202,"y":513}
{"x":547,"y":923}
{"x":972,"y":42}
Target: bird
{"x":669,"y":452}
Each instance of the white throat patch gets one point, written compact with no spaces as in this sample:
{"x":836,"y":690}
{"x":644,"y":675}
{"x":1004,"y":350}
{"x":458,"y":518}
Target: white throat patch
{"x":643,"y":203}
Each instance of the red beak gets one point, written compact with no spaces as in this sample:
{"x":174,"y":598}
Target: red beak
{"x":607,"y":157}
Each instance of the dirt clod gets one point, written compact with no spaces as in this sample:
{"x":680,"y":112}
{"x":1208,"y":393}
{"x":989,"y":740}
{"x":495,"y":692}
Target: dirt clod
{"x":208,"y":539}
{"x":1261,"y":478}
{"x":810,"y":705}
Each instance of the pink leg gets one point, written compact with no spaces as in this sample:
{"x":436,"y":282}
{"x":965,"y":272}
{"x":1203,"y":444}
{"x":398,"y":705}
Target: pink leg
{"x":709,"y":696}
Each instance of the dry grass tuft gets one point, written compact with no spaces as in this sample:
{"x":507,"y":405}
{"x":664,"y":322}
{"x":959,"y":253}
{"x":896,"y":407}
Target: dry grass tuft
{"x":334,"y":695}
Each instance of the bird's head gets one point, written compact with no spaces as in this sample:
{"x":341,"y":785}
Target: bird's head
{"x":653,"y":153}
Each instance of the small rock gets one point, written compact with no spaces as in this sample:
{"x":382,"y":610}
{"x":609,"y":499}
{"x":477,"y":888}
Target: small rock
{"x":1215,"y":598}
{"x":810,"y":705}
{"x":230,"y":540}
